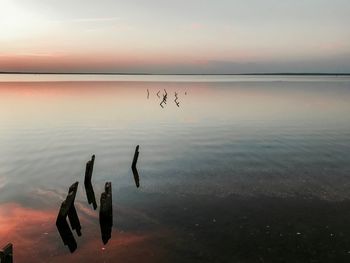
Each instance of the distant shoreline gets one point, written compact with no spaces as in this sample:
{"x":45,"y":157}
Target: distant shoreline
{"x":174,"y":74}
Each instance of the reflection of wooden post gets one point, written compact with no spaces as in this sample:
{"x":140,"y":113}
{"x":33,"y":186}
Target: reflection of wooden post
{"x":133,"y":167}
{"x":72,"y":213}
{"x":6,"y":254}
{"x":68,"y":209}
{"x":87,"y":182}
{"x":106,"y":213}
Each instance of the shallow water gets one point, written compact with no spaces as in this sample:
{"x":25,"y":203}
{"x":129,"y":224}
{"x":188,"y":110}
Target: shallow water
{"x":240,"y":153}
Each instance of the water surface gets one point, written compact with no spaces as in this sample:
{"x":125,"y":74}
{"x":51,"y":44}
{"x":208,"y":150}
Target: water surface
{"x":246,"y":169}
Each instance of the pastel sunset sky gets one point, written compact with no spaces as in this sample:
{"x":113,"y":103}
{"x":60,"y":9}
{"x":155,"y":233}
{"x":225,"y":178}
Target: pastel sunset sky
{"x":182,"y":36}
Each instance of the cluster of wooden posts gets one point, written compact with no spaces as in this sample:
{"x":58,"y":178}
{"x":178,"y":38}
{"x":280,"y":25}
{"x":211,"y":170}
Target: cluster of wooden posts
{"x":165,"y":97}
{"x":106,"y":208}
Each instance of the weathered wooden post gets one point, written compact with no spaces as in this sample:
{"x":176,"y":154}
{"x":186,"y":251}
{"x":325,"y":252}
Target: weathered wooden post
{"x":89,"y":168}
{"x":106,"y":213}
{"x":133,"y":167}
{"x":90,"y":194}
{"x":68,"y":209}
{"x":6,"y":254}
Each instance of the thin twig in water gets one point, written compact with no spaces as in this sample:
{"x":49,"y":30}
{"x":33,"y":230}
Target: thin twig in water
{"x":164,"y":99}
{"x":175,"y":100}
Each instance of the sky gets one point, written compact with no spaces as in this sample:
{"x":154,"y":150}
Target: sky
{"x":182,"y":36}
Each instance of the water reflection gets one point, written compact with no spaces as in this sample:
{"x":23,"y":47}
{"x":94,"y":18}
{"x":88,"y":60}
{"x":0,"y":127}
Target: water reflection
{"x":68,"y":209}
{"x":210,"y":171}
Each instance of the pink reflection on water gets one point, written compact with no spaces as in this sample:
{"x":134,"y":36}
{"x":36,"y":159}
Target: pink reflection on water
{"x":36,"y":239}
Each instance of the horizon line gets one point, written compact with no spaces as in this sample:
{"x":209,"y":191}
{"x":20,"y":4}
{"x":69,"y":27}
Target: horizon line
{"x":178,"y":74}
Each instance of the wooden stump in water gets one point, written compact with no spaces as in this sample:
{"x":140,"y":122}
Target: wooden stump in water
{"x":68,"y":209}
{"x":133,"y":167}
{"x":6,"y":254}
{"x":90,"y":194}
{"x":106,"y":213}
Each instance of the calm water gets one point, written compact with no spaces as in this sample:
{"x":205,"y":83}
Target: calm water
{"x":246,"y":169}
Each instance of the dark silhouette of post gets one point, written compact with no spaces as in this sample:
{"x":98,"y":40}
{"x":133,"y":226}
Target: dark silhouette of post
{"x":6,"y":254}
{"x":147,"y":94}
{"x":68,"y":209}
{"x":89,"y":168}
{"x":90,"y":194}
{"x":175,"y":100}
{"x":165,"y":96}
{"x":133,"y":167}
{"x":106,"y":213}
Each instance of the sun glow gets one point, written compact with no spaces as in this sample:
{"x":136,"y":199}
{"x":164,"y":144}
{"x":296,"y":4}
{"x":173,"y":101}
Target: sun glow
{"x":17,"y":22}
